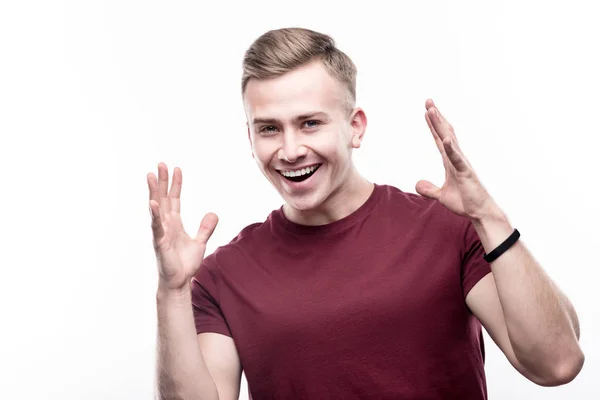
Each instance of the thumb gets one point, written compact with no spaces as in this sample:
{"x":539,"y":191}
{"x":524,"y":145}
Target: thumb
{"x":428,"y":189}
{"x":207,"y":227}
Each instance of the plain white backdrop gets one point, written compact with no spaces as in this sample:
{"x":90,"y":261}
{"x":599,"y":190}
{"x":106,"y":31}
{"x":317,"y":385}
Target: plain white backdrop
{"x":94,"y":94}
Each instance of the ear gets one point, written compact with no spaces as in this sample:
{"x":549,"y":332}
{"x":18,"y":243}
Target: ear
{"x":249,"y":138}
{"x":358,"y":122}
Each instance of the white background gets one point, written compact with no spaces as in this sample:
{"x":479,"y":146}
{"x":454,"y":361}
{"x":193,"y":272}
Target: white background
{"x":94,"y":94}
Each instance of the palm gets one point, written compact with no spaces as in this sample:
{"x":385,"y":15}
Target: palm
{"x":178,"y":252}
{"x":450,"y":195}
{"x":179,"y":255}
{"x":462,"y":192}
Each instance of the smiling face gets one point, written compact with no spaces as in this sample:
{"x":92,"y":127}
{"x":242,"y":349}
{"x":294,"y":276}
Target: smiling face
{"x":302,"y":134}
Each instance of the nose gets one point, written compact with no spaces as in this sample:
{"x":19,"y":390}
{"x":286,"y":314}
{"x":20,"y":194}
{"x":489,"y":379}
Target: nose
{"x":291,"y":150}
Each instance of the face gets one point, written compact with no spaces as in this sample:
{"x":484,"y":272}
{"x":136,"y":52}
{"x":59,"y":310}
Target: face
{"x":302,"y":134}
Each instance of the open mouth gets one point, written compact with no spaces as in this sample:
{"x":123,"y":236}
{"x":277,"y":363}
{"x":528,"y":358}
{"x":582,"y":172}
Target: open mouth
{"x":301,"y":174}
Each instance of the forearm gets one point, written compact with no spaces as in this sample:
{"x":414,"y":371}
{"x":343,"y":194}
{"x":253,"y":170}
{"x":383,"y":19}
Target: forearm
{"x":541,"y":322}
{"x":181,"y":371}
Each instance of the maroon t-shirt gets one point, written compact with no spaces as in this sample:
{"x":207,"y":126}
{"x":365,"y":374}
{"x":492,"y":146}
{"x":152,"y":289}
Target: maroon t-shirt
{"x":368,"y":307}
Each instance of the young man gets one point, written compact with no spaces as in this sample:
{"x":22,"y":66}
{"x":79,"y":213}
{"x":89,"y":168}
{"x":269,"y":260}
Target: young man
{"x":350,"y":290}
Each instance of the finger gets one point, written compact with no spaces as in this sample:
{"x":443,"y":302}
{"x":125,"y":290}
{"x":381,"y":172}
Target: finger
{"x":438,"y":141}
{"x":428,"y":189}
{"x":441,"y":125}
{"x":455,"y":156}
{"x":429,"y":103}
{"x":175,"y":192}
{"x":163,"y":186}
{"x":207,"y":227}
{"x":157,"y":226}
{"x":152,"y":186}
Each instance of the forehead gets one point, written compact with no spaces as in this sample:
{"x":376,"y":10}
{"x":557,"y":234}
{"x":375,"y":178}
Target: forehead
{"x":308,"y":88}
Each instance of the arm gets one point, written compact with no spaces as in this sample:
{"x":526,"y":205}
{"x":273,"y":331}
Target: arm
{"x":222,"y":360}
{"x":191,"y":366}
{"x":182,"y":372}
{"x":524,"y":311}
{"x":187,"y":367}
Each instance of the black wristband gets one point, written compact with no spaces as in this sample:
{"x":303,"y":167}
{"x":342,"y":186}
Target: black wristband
{"x":497,"y":252}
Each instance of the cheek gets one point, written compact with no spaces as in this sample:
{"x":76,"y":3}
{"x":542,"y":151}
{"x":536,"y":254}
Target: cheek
{"x":334,"y":146}
{"x":263,"y":152}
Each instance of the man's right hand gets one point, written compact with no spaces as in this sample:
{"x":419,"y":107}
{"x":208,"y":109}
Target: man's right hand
{"x":178,"y":255}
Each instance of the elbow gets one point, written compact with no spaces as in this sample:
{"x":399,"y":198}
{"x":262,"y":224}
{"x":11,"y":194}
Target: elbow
{"x":563,"y":372}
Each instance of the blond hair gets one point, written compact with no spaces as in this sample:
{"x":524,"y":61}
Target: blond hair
{"x":279,"y":51}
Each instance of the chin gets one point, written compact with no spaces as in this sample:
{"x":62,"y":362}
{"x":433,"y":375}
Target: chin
{"x":301,"y":202}
{"x":302,"y":205}
{"x":306,"y":202}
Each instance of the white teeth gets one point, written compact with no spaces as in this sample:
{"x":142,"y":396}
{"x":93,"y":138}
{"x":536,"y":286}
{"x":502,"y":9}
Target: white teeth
{"x":299,"y":172}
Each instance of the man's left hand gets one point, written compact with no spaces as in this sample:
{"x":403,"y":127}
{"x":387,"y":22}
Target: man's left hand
{"x":462,"y":192}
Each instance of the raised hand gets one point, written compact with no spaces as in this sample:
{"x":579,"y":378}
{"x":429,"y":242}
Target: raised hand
{"x":462,"y":192}
{"x":177,"y":254}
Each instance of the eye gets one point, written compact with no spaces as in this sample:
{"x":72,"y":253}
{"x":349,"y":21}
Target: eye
{"x":312,"y":123}
{"x":268,"y":129}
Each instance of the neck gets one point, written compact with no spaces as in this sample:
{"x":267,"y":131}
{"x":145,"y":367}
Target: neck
{"x":343,"y":201}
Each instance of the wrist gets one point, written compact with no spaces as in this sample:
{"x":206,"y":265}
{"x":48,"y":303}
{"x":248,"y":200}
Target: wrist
{"x":166,"y":291}
{"x":492,"y":228}
{"x":492,"y":220}
{"x":491,"y":214}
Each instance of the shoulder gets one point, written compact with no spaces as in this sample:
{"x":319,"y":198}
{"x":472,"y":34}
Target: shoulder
{"x":248,"y":234}
{"x":400,"y":201}
{"x":228,"y":257}
{"x":429,"y":214}
{"x":251,"y":238}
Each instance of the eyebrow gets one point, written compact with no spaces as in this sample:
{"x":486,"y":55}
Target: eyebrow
{"x":319,"y":114}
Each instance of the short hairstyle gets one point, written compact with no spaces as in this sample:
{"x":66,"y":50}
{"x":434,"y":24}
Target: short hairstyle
{"x":279,"y":51}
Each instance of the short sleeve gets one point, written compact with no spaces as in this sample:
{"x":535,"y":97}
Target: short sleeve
{"x":208,"y":316}
{"x":474,"y":267}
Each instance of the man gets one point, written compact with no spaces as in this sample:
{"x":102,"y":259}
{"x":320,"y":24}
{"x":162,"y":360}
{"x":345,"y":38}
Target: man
{"x":350,"y":290}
